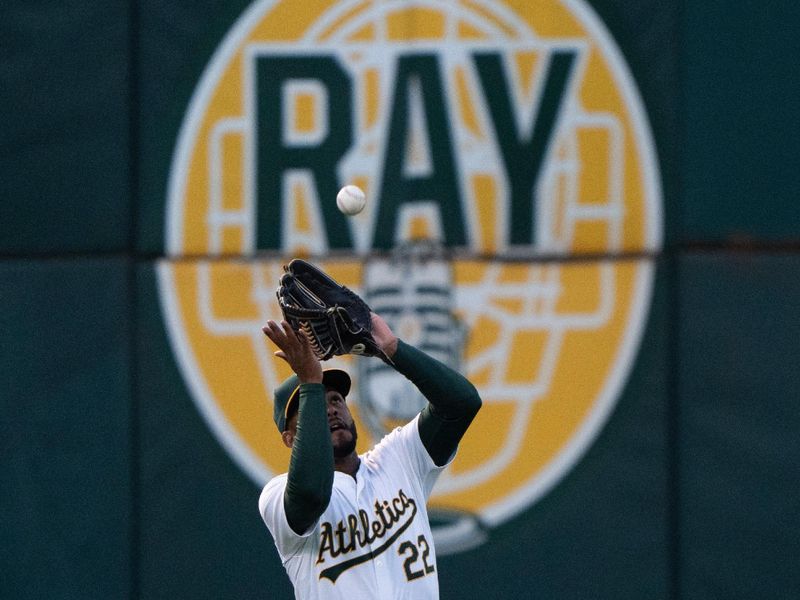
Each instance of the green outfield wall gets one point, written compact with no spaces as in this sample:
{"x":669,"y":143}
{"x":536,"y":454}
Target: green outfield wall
{"x":116,"y":482}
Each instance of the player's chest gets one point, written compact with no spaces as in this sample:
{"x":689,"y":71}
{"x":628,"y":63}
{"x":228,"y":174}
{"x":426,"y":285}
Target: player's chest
{"x":374,"y":530}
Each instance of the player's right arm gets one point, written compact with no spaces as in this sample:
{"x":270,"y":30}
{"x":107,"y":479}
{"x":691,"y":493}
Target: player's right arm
{"x":310,"y":478}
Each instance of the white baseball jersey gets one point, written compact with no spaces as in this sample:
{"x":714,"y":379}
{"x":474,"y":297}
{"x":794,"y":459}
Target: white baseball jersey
{"x":374,"y":540}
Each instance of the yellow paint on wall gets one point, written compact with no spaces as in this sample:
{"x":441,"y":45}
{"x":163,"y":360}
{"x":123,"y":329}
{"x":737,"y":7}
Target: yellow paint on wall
{"x":465,"y":104}
{"x":580,"y":289}
{"x":303,"y":114}
{"x":232,"y":240}
{"x":371,"y":95}
{"x":592,"y":235}
{"x":593,"y":153}
{"x":484,"y":192}
{"x":525,"y":357}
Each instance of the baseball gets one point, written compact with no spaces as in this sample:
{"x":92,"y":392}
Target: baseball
{"x":351,"y":200}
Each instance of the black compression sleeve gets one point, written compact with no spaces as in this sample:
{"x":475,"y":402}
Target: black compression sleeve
{"x":310,"y":479}
{"x":454,"y":401}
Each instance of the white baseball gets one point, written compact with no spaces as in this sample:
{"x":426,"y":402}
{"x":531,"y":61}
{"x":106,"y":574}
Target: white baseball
{"x":351,"y":200}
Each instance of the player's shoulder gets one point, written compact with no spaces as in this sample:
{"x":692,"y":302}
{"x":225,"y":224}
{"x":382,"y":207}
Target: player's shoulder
{"x":277,"y":481}
{"x":276,"y":485}
{"x":393,"y":442}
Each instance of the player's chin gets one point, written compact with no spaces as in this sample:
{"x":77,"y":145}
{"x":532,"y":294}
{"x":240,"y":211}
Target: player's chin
{"x":341,"y":436}
{"x":344,"y":442}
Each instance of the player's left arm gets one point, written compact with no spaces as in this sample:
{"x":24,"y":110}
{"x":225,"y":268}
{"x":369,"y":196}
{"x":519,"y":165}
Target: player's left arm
{"x":453,"y":401}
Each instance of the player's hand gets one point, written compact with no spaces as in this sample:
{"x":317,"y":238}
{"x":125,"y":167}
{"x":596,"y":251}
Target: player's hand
{"x":295,"y":350}
{"x":384,"y":336}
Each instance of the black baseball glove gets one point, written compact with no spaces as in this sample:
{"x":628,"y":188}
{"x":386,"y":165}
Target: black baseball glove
{"x":335,"y":319}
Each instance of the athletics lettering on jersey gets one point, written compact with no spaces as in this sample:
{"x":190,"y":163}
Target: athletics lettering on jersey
{"x":360,"y":531}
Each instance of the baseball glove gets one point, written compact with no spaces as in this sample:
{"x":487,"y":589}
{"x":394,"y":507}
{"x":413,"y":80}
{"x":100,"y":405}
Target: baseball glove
{"x":335,"y":319}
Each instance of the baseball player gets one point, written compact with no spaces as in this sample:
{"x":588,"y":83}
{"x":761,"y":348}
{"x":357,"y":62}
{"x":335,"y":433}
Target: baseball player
{"x":356,"y":526}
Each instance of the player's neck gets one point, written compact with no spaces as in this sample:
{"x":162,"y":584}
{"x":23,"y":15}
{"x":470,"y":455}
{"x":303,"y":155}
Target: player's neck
{"x":347,"y":464}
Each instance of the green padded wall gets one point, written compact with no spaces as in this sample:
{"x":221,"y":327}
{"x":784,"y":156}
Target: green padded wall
{"x":112,"y":484}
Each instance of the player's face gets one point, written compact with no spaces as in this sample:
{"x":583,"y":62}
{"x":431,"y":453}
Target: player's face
{"x":341,"y":424}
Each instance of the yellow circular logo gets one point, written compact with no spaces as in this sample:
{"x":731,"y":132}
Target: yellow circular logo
{"x":493,"y":140}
